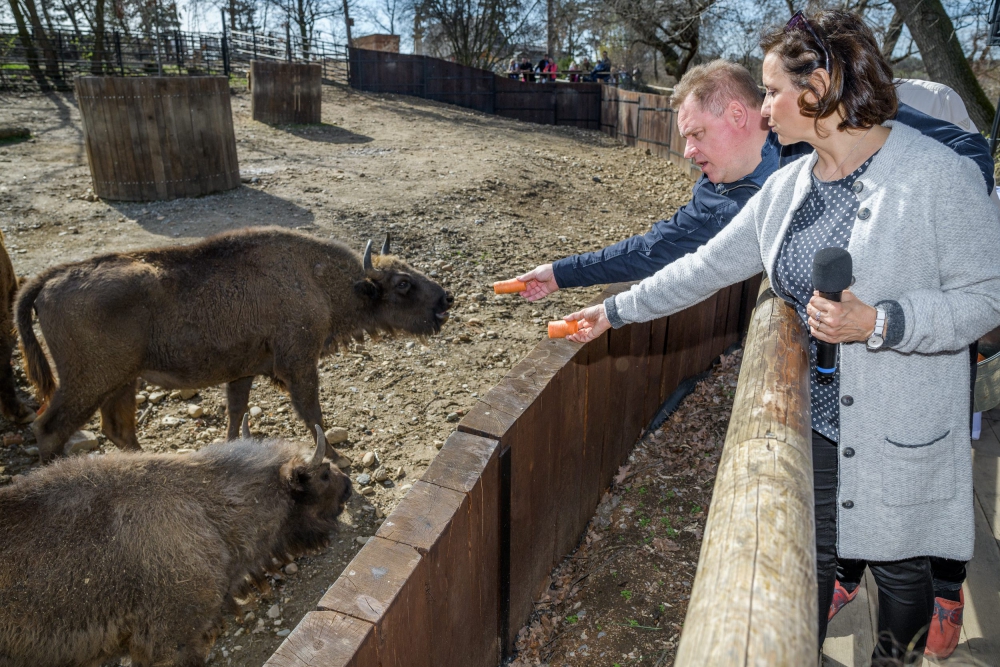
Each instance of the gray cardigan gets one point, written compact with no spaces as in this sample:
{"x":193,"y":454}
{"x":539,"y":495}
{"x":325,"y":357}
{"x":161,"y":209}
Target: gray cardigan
{"x":928,"y":237}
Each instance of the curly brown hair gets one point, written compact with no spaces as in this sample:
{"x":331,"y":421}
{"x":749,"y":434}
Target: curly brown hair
{"x":861,"y":84}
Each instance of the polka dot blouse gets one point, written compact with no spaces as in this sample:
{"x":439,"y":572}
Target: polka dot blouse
{"x":824,"y":220}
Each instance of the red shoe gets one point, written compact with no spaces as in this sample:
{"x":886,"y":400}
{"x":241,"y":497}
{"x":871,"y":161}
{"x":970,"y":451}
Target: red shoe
{"x":946,"y":627}
{"x":840,"y":598}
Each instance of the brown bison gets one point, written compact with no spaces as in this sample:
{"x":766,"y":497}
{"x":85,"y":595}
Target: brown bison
{"x":10,"y":405}
{"x":140,"y":555}
{"x":254,"y":302}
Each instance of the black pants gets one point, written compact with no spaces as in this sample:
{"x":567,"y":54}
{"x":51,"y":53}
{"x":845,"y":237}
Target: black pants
{"x":949,"y":575}
{"x":905,"y":588}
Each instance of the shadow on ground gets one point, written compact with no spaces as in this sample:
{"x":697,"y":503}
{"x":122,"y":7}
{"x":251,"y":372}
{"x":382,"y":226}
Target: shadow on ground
{"x":325,"y":133}
{"x":204,"y":216}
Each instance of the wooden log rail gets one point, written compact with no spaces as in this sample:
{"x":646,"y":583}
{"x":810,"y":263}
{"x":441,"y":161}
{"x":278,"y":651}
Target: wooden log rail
{"x":450,"y":576}
{"x":754,"y":596}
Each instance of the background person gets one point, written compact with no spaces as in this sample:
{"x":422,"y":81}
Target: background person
{"x":892,"y":469}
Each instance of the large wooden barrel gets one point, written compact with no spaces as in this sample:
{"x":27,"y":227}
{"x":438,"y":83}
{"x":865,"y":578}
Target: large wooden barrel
{"x":155,"y":137}
{"x":283,"y":93}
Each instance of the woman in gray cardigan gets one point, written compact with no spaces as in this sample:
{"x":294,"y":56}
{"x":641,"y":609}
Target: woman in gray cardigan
{"x":891,"y":448}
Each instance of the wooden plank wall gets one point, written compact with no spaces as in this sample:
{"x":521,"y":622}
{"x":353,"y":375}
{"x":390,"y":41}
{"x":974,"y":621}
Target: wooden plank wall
{"x":283,"y":93}
{"x":450,"y":576}
{"x":647,"y":122}
{"x":152,"y":138}
{"x":576,"y":104}
{"x":565,"y":430}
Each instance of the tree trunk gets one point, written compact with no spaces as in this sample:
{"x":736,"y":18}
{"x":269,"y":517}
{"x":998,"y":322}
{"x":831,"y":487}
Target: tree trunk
{"x":30,"y":53}
{"x":48,"y":53}
{"x":97,"y":60}
{"x":550,"y":42}
{"x":942,"y":55}
{"x":892,"y":35}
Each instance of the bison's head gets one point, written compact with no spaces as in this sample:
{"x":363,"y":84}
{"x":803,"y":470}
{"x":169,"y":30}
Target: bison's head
{"x":318,"y":487}
{"x":402,"y":298}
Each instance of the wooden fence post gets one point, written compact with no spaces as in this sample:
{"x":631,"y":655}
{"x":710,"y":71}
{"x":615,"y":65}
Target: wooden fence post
{"x":754,"y":596}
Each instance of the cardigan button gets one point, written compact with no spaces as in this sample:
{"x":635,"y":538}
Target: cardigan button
{"x":864,"y":214}
{"x":847,"y":504}
{"x":848,"y":452}
{"x":858,"y":187}
{"x":847,"y":400}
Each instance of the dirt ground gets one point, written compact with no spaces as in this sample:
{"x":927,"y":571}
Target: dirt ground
{"x":467,"y":197}
{"x":620,"y":599}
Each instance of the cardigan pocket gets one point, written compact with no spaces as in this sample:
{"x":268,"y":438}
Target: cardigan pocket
{"x":916,"y":472}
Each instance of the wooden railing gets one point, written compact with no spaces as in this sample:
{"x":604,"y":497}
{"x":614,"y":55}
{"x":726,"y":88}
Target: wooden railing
{"x":754,"y":596}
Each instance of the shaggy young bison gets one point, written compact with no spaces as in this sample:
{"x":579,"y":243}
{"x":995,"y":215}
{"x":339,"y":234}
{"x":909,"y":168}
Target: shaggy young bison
{"x":140,"y":555}
{"x":10,"y":405}
{"x":254,"y":302}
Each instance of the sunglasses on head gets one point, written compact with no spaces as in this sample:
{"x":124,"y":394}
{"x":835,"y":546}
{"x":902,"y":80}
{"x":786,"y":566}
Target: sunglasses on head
{"x":800,"y":22}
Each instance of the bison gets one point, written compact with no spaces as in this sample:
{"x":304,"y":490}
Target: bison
{"x":141,"y":555}
{"x":10,"y":405}
{"x":262,"y":301}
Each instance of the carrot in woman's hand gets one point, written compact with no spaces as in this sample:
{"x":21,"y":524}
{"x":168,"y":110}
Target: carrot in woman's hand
{"x":562,"y":328}
{"x":509,"y":287}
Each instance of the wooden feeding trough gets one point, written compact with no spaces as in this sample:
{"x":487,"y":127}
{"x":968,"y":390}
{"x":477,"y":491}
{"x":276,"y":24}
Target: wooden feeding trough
{"x":153,"y":138}
{"x":283,"y":93}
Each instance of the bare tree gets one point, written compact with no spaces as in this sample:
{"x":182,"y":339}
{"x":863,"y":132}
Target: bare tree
{"x":672,"y":27}
{"x":388,"y":15}
{"x":302,"y":16}
{"x":942,"y":54}
{"x":479,"y":33}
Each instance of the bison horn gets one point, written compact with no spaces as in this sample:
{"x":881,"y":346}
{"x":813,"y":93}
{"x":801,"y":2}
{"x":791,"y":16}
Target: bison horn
{"x":320,"y":452}
{"x":366,"y":261}
{"x":385,"y":245}
{"x":245,"y":426}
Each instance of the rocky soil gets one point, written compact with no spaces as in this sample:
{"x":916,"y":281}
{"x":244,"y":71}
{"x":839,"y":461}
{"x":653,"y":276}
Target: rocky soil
{"x":621,"y":598}
{"x":468,"y":198}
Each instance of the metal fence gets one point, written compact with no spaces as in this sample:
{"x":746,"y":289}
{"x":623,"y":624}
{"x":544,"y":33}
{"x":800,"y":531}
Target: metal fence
{"x":61,"y":54}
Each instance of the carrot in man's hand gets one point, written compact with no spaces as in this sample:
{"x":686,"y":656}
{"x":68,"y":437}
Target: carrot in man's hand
{"x":509,"y":287}
{"x":562,"y":328}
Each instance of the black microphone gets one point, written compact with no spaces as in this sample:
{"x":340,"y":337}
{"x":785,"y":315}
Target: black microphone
{"x":832,"y":273}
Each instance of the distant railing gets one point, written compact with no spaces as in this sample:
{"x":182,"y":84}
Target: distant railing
{"x":61,"y":54}
{"x":754,"y":596}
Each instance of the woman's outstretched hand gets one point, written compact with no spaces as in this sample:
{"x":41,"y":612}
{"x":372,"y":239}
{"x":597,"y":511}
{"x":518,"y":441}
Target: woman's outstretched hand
{"x":849,"y":321}
{"x":593,"y":322}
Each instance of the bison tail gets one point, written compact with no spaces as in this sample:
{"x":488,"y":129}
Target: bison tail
{"x":36,"y":364}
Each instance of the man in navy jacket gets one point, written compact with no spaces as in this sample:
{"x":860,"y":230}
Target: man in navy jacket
{"x":719,"y":114}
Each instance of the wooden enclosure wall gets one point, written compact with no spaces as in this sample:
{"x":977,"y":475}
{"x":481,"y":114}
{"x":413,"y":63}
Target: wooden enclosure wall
{"x":153,"y":138}
{"x":577,"y":104}
{"x":450,"y":576}
{"x":283,"y":93}
{"x":645,"y":121}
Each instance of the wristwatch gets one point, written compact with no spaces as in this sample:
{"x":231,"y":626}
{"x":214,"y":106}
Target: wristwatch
{"x":875,"y":340}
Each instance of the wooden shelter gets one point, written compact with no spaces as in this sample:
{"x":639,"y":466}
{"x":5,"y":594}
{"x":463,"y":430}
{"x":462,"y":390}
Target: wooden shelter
{"x":153,"y":138}
{"x":283,"y":93}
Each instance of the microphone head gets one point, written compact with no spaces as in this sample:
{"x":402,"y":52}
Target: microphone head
{"x":833,"y":270}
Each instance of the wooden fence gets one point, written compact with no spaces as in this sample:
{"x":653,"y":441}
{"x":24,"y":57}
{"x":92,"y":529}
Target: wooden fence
{"x":577,"y":104}
{"x":754,"y":595}
{"x":450,"y":576}
{"x":638,"y":119}
{"x":645,"y":121}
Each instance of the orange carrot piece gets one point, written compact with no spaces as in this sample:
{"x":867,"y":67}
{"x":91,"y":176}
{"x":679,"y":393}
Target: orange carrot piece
{"x":509,"y":287}
{"x":562,"y":328}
